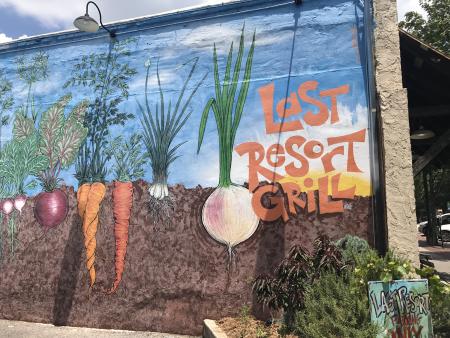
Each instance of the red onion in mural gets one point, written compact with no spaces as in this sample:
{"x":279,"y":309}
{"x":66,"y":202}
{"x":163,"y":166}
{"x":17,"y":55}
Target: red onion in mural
{"x":51,"y":208}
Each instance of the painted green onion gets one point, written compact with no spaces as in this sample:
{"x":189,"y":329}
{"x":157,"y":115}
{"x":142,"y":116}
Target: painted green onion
{"x":161,"y":126}
{"x":227,"y":214}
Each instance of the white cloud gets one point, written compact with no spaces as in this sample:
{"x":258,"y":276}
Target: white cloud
{"x":55,"y":14}
{"x":404,"y":6}
{"x":4,"y":38}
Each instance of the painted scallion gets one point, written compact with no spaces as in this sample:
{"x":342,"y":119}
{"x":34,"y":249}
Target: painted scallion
{"x":227,"y":214}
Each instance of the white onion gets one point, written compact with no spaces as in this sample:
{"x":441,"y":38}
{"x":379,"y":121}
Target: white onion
{"x":159,"y":191}
{"x":19,"y":202}
{"x":228,"y":215}
{"x":8,"y":206}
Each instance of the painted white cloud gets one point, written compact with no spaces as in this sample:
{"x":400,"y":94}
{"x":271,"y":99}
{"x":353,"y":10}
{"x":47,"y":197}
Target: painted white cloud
{"x":55,"y":14}
{"x":4,"y":38}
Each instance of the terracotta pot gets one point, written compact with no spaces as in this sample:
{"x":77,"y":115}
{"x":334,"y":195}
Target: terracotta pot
{"x":51,"y":208}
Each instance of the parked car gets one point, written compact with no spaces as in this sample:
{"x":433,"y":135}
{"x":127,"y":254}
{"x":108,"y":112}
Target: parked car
{"x":442,"y":220}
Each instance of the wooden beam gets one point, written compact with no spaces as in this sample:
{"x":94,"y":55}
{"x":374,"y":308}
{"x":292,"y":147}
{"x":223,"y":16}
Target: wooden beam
{"x":430,"y":111}
{"x":442,"y":142}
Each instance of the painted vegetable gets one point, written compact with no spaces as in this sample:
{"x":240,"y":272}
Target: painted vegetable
{"x":227,"y":214}
{"x":19,"y":202}
{"x":51,"y":208}
{"x":20,"y":159}
{"x":106,"y":76}
{"x":128,"y":166}
{"x":161,"y":126}
{"x":7,"y":206}
{"x":89,"y":198}
{"x":59,"y":140}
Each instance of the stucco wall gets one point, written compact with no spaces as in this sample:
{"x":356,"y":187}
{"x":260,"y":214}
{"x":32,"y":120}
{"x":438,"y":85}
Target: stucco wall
{"x":395,"y":139}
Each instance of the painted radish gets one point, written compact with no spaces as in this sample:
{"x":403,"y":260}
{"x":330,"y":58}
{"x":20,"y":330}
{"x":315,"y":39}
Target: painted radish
{"x":7,"y":206}
{"x":19,"y":202}
{"x":227,"y":214}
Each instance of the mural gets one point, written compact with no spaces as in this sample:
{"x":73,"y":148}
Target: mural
{"x":135,"y":172}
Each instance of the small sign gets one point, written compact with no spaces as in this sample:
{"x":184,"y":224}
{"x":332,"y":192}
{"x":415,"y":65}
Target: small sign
{"x":401,"y":308}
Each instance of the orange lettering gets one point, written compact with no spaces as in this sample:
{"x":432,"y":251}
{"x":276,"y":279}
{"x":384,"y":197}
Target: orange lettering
{"x":269,"y":214}
{"x":333,"y":93}
{"x":293,"y":191}
{"x":326,"y":206}
{"x":276,"y":150}
{"x":294,"y":106}
{"x":255,"y":157}
{"x":309,"y":117}
{"x":291,"y":169}
{"x":267,"y":98}
{"x":359,"y":136}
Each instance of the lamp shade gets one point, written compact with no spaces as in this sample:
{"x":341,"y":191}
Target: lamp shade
{"x":422,"y":134}
{"x":86,"y":24}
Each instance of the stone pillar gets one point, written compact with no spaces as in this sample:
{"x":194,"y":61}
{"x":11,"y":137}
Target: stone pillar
{"x":395,"y":135}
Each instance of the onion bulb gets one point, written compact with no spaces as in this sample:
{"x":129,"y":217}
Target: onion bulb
{"x":7,"y":206}
{"x":159,"y":191}
{"x":228,"y":215}
{"x":19,"y":202}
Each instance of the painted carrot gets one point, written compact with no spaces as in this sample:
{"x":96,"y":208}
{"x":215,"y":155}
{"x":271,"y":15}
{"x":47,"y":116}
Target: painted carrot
{"x":129,"y":161}
{"x":90,"y":222}
{"x":122,"y":202}
{"x":82,"y":197}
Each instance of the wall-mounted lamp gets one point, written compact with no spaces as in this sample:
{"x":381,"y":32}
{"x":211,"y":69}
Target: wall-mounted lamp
{"x":422,"y":134}
{"x":86,"y":23}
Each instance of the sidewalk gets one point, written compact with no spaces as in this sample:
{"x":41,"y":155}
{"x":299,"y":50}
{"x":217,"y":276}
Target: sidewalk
{"x":14,"y":329}
{"x":440,"y":256}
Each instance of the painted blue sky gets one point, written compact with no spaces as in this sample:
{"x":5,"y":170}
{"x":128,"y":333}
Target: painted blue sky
{"x":31,"y":17}
{"x":325,"y":50}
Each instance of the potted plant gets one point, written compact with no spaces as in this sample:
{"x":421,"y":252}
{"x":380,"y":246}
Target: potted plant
{"x":59,"y":138}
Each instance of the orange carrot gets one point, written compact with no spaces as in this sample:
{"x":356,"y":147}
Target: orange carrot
{"x":82,"y":197}
{"x":122,"y":203}
{"x":95,"y":196}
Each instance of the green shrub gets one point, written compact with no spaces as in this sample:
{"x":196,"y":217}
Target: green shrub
{"x":333,"y":309}
{"x":285,"y":290}
{"x":352,"y":248}
{"x":439,"y":301}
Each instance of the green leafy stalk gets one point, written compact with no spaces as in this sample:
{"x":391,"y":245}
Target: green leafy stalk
{"x":59,"y":137}
{"x":128,"y":158}
{"x":32,"y":70}
{"x":21,"y":159}
{"x":160,"y":126}
{"x":227,"y":111}
{"x":107,"y":77}
{"x":6,"y":102}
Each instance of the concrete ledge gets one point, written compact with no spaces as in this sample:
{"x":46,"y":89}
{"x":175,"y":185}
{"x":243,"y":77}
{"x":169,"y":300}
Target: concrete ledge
{"x":18,"y":329}
{"x":212,"y":330}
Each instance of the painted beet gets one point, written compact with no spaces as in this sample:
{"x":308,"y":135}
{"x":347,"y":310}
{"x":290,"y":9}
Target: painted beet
{"x":51,"y":208}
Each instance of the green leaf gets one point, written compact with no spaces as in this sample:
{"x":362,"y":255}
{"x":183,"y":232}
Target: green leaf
{"x":23,"y":127}
{"x":51,"y":128}
{"x":203,"y":121}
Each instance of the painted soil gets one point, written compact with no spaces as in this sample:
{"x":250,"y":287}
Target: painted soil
{"x":175,"y":273}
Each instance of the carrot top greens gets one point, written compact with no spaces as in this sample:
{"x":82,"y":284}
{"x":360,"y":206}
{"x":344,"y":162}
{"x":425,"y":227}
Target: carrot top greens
{"x":227,"y":111}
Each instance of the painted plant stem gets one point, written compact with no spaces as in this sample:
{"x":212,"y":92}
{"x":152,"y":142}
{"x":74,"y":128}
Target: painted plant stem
{"x":161,"y":126}
{"x":227,"y":214}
